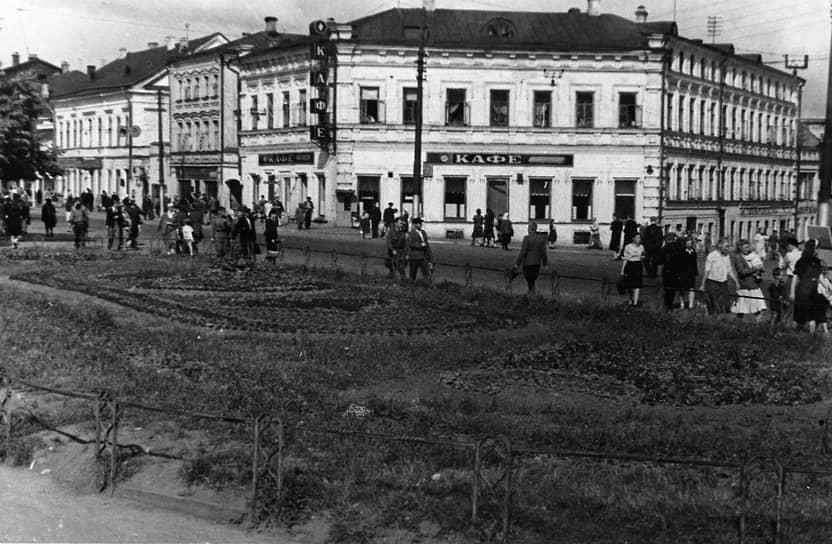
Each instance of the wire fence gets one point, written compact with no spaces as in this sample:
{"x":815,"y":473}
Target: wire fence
{"x":763,"y":494}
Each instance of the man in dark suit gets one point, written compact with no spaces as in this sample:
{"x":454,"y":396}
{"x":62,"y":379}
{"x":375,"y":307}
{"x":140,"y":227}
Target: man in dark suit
{"x":615,"y":235}
{"x":244,"y":230}
{"x":630,"y":231}
{"x":115,"y":224}
{"x":532,"y":255}
{"x":652,"y":240}
{"x":418,"y":250}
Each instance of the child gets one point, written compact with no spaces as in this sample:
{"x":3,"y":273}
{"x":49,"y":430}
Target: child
{"x":188,"y":237}
{"x":778,"y":300}
{"x":365,"y":225}
{"x":553,"y":234}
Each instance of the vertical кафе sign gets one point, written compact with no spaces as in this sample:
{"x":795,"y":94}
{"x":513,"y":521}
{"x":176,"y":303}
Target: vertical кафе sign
{"x":323,"y":66}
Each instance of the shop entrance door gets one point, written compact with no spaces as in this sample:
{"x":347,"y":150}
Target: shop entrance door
{"x":368,"y":191}
{"x":497,"y":195}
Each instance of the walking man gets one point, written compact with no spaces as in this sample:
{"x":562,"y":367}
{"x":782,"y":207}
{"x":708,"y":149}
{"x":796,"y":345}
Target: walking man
{"x":80,"y":221}
{"x":418,"y":250}
{"x":718,"y":269}
{"x":652,"y":247}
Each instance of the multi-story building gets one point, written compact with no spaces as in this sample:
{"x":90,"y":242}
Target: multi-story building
{"x":204,"y":116}
{"x":567,"y":117}
{"x":111,"y":126}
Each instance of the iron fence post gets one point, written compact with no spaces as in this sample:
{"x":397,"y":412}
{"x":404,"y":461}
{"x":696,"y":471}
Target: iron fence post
{"x":254,"y":468}
{"x":280,"y":445}
{"x":743,"y":483}
{"x":6,"y":405}
{"x":507,"y":496}
{"x":475,"y":484}
{"x":778,"y":522}
{"x":469,"y":281}
{"x":114,"y":441}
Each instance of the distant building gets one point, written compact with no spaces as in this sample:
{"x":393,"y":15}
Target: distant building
{"x":107,"y":121}
{"x":547,"y":116}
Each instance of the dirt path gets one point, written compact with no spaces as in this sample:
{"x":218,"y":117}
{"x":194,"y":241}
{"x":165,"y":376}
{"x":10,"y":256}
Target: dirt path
{"x":37,"y":509}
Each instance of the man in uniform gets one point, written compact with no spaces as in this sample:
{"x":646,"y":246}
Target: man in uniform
{"x":397,"y":248}
{"x":220,"y":229}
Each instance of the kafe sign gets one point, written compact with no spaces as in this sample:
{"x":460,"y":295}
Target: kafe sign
{"x":500,"y":159}
{"x":323,"y":54}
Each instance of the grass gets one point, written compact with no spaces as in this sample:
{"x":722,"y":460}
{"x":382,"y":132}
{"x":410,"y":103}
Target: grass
{"x":578,"y":377}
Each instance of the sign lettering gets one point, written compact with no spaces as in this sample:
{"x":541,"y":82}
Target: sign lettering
{"x":318,"y":105}
{"x":498,"y":159}
{"x":267,"y":159}
{"x":319,"y":79}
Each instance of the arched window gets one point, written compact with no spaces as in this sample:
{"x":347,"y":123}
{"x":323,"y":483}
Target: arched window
{"x":187,"y":89}
{"x":215,"y":86}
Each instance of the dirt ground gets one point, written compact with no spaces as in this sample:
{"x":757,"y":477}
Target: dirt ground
{"x":36,"y":508}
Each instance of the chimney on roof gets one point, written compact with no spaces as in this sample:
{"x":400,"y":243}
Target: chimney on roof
{"x":593,"y":7}
{"x":574,"y":11}
{"x":91,"y":71}
{"x":152,"y":45}
{"x":33,"y":56}
{"x":64,"y":67}
{"x":170,"y":42}
{"x":182,"y":45}
{"x":641,"y":14}
{"x":122,"y":53}
{"x":271,"y":25}
{"x":15,"y":58}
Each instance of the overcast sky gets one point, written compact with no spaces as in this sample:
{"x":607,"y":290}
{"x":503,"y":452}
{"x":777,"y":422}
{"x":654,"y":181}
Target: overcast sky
{"x":85,"y":32}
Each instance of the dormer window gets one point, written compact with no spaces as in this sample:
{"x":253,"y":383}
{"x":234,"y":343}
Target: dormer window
{"x":500,"y":29}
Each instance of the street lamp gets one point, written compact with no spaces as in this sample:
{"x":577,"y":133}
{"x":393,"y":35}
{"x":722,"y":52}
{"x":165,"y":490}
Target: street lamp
{"x":428,"y":5}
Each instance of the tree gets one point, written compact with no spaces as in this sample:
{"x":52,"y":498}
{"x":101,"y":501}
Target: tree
{"x":22,"y":153}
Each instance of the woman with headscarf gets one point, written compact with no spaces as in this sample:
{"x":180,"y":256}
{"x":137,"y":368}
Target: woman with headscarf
{"x":809,"y":305}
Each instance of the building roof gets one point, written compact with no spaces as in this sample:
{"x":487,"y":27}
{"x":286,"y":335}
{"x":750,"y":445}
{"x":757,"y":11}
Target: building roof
{"x":127,"y":71}
{"x":30,"y":68}
{"x":268,"y":43}
{"x":251,"y":43}
{"x":573,"y":31}
{"x":808,"y":139}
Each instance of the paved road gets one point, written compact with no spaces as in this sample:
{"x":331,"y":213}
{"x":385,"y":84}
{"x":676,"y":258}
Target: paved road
{"x":37,"y":509}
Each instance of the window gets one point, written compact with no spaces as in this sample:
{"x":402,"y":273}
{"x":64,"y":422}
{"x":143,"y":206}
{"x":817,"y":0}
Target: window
{"x":286,"y":108}
{"x":628,"y":111}
{"x":369,"y":105}
{"x":302,"y":107}
{"x":216,"y":126}
{"x":701,"y":117}
{"x":255,"y":113}
{"x":110,"y":131}
{"x":206,"y":90}
{"x":712,"y":120}
{"x":499,"y":108}
{"x":743,"y":125}
{"x":456,"y":109}
{"x":625,"y":198}
{"x":582,"y":200}
{"x":681,"y":121}
{"x":455,"y":198}
{"x":669,"y":111}
{"x":540,"y":198}
{"x":584,"y":110}
{"x":542,"y":109}
{"x":409,"y":106}
{"x":269,"y":110}
{"x":100,"y":132}
{"x":195,"y":89}
{"x":187,"y":89}
{"x":215,"y":85}
{"x":691,"y":114}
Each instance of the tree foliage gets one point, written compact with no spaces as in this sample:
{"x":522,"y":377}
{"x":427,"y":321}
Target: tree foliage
{"x":22,"y":153}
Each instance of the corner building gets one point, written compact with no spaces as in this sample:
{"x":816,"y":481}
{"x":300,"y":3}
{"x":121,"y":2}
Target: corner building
{"x":546,"y":116}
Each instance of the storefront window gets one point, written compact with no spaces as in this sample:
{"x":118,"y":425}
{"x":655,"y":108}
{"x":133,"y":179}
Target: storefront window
{"x":455,"y":198}
{"x":540,"y":197}
{"x":582,"y":200}
{"x":542,"y":109}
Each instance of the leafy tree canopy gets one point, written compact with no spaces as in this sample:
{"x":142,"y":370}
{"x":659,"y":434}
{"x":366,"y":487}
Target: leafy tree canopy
{"x":22,"y":155}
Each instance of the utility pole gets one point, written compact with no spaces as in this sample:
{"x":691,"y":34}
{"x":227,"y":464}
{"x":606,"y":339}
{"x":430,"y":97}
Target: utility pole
{"x":714,"y":27}
{"x":826,"y":156}
{"x":796,"y":65}
{"x":160,"y":133}
{"x":129,"y":145}
{"x":417,"y":145}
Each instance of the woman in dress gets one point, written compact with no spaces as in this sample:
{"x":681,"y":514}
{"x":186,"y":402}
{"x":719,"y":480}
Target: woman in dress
{"x":749,"y":268}
{"x":595,"y":235}
{"x":632,"y":270}
{"x":687,"y":271}
{"x":488,"y":230}
{"x":478,"y":228}
{"x":809,"y":305}
{"x":272,"y":239}
{"x":553,"y":234}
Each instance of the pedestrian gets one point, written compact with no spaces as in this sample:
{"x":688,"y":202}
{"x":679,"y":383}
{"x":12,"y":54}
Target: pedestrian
{"x":778,"y":298}
{"x":388,"y":219}
{"x":364,"y":224}
{"x":114,"y":221}
{"x":553,"y":234}
{"x":169,"y":230}
{"x":630,"y":230}
{"x":220,"y":229}
{"x":69,"y":205}
{"x":489,"y":222}
{"x":670,"y":262}
{"x":244,"y":231}
{"x":810,"y":305}
{"x":687,"y":269}
{"x":478,"y":231}
{"x":307,"y":213}
{"x":419,"y":253}
{"x":188,"y":237}
{"x":271,"y":236}
{"x":718,"y":270}
{"x":653,"y":239}
{"x":632,"y":270}
{"x":300,"y":215}
{"x":49,"y":217}
{"x":595,"y":235}
{"x":375,"y":218}
{"x":13,"y":219}
{"x":80,"y":220}
{"x":397,"y":249}
{"x":506,"y":231}
{"x":135,"y":216}
{"x":760,"y":243}
{"x":532,"y":256}
{"x":616,"y":228}
{"x":788,"y":261}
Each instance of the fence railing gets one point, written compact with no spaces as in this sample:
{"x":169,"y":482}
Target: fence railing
{"x":494,"y":461}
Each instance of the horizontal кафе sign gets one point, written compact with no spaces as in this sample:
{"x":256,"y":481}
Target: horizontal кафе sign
{"x":499,"y":159}
{"x":286,"y":158}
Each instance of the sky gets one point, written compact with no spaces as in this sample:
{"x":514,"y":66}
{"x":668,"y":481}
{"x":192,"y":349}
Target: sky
{"x":83,"y":32}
